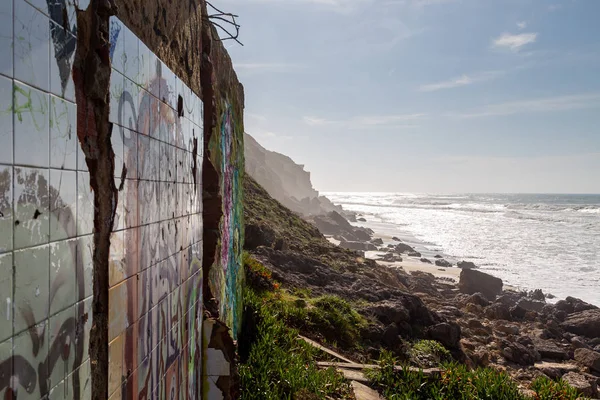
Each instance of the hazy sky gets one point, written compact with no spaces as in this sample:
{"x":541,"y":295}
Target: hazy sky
{"x":426,"y":95}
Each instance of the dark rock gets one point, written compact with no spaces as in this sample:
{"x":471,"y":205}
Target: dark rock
{"x":425,"y":260}
{"x":518,"y":312}
{"x":466,"y":264}
{"x":477,"y":298}
{"x":414,"y":254}
{"x":446,"y":333}
{"x":258,"y":235}
{"x":518,"y":353}
{"x":581,"y":383}
{"x":497,"y":311}
{"x":550,"y":351}
{"x":588,"y":358}
{"x":361,"y":219}
{"x":391,"y":335}
{"x":377,"y":241}
{"x":362,"y":234}
{"x":579,"y":343}
{"x":437,"y":256}
{"x":473,"y":281}
{"x":358,"y":246}
{"x":404,"y":248}
{"x":531,"y":305}
{"x":584,"y":323}
{"x":443,"y":263}
{"x":509,"y":299}
{"x":389,"y":312}
{"x":537,"y":294}
{"x":572,"y":304}
{"x":509,"y":329}
{"x":396,"y":239}
{"x":390,"y":246}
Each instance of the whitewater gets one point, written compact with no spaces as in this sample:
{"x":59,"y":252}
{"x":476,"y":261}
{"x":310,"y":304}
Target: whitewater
{"x":550,"y":242}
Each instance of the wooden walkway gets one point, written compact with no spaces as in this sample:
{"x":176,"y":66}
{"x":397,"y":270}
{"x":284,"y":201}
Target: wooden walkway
{"x":354,"y":372}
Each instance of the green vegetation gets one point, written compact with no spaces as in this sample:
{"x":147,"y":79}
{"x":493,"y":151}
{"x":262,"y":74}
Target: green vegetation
{"x":458,"y":382}
{"x":281,"y":366}
{"x":428,"y":353}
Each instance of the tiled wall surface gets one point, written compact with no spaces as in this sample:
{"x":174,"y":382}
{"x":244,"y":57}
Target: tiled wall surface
{"x":47,"y":217}
{"x":46,"y":209}
{"x":155,"y":298}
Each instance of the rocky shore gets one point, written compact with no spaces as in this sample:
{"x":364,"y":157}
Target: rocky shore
{"x":471,"y":313}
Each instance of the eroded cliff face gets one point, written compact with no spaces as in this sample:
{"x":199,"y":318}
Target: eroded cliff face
{"x":284,"y":180}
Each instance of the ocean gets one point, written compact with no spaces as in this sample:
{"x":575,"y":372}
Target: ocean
{"x":531,"y":241}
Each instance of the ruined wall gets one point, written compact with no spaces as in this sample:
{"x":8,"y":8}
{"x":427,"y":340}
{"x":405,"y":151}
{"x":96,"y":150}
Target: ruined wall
{"x":46,"y":208}
{"x":102,"y":143}
{"x":222,"y":177}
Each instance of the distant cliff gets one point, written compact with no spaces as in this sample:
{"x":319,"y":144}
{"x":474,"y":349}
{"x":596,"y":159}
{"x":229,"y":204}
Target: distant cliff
{"x":284,"y":180}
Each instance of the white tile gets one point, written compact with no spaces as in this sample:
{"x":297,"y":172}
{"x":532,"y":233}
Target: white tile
{"x":63,"y":134}
{"x":131,"y":66}
{"x":63,"y":204}
{"x":32,"y":291}
{"x":62,"y":55}
{"x":31,"y":46}
{"x":6,"y":208}
{"x":6,"y":300}
{"x":116,"y":34}
{"x":63,"y":283}
{"x":31,"y":126}
{"x":32,"y":207}
{"x":6,"y":38}
{"x":85,"y":204}
{"x":6,"y":119}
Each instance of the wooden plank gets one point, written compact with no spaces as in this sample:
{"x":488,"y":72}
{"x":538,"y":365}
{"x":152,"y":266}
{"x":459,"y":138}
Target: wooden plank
{"x":356,"y":366}
{"x":353,"y":375}
{"x":325,"y":349}
{"x":363,"y":392}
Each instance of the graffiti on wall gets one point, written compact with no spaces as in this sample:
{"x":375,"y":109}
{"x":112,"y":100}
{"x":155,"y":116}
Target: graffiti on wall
{"x":155,"y":297}
{"x":45,"y":209}
{"x":226,"y":277}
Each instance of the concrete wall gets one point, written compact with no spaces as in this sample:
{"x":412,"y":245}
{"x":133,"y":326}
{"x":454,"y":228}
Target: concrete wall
{"x":102,"y":143}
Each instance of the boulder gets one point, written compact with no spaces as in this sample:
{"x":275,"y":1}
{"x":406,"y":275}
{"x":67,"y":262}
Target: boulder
{"x":361,"y":246}
{"x":550,"y":351}
{"x":396,"y":239}
{"x":437,"y":256}
{"x":443,"y":263}
{"x":425,"y":260}
{"x":537,"y":294}
{"x":414,"y":254}
{"x":446,"y":333}
{"x":531,"y":305}
{"x":466,"y":264}
{"x":404,"y":248}
{"x":477,"y":298}
{"x":509,"y":329}
{"x":581,"y":383}
{"x":361,"y":219}
{"x":588,"y":358}
{"x":497,"y":311}
{"x":473,"y":281}
{"x":555,"y":370}
{"x":518,"y":353}
{"x":377,"y":241}
{"x":585,"y":323}
{"x":518,"y":313}
{"x":361,"y":234}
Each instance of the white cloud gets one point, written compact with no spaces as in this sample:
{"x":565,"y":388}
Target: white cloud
{"x":522,"y":25}
{"x":539,"y":105}
{"x":514,"y":42}
{"x":462,"y":80}
{"x":367,"y":121}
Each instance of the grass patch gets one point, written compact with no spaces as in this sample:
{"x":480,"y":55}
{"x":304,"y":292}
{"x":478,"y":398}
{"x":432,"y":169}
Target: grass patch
{"x":279,"y":365}
{"x":428,"y":353}
{"x":458,"y":382}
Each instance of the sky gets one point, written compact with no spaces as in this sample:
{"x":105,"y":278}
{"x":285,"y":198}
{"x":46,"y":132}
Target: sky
{"x":430,"y":96}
